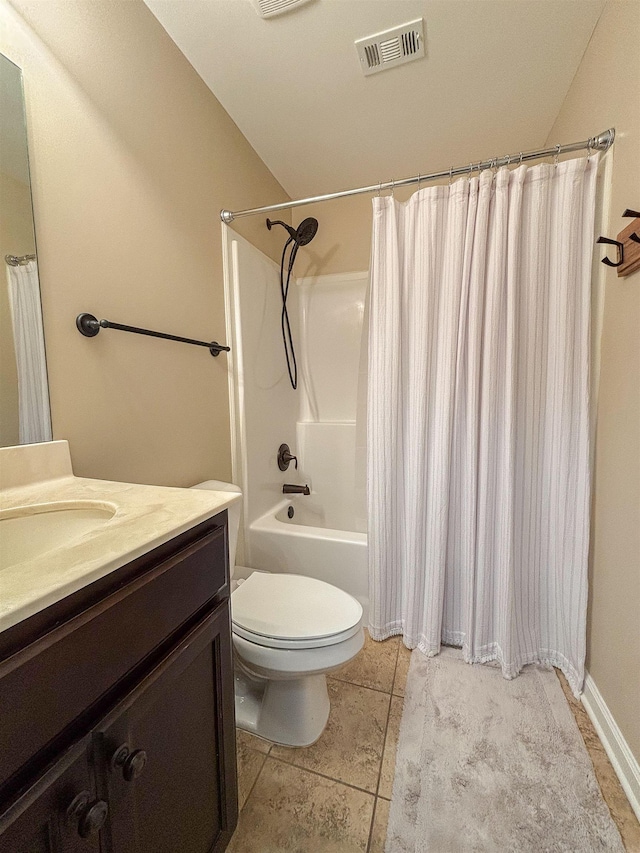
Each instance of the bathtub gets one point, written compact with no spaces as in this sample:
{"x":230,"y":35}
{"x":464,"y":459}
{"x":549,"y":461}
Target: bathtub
{"x":298,"y":545}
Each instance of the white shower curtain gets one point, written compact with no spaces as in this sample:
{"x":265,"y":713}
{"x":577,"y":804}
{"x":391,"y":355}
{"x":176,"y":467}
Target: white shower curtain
{"x":28,"y":337}
{"x":478,"y":416}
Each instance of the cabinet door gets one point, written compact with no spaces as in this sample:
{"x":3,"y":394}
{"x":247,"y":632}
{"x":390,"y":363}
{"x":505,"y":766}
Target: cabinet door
{"x":59,"y":813}
{"x":166,"y":754}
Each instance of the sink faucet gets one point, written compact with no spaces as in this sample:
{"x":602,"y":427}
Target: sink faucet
{"x":291,"y":489}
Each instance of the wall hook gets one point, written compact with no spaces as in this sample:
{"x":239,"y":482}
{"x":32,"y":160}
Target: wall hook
{"x":633,"y":214}
{"x":610,"y":242}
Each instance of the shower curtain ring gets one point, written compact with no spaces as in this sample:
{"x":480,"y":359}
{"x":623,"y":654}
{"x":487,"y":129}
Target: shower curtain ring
{"x":393,"y":188}
{"x":470,"y":171}
{"x":520,"y":161}
{"x":589,"y":149}
{"x":555,"y":156}
{"x":379,"y":189}
{"x":419,"y":179}
{"x":450,"y":174}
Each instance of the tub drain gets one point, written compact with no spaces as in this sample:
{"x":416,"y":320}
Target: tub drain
{"x":290,"y":512}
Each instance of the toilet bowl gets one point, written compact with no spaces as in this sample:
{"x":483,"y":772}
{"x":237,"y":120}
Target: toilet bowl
{"x":288,"y":632}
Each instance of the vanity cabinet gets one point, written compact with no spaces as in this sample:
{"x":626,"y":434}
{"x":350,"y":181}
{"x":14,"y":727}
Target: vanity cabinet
{"x":48,"y":818}
{"x":117,"y":727}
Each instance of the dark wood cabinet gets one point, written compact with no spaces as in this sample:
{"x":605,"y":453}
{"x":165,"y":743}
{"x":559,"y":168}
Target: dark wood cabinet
{"x":142,"y":756}
{"x":48,"y":817}
{"x":160,"y":751}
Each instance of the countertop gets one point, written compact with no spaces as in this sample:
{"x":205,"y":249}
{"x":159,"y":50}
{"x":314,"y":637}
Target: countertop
{"x":145,"y":517}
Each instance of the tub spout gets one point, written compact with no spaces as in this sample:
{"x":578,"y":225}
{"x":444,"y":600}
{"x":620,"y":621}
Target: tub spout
{"x":291,"y":489}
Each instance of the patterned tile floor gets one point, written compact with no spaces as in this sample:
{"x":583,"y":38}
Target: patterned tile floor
{"x":334,"y":796}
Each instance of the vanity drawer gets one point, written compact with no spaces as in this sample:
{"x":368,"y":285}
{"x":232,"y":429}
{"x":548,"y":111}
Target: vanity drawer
{"x":82,"y":666}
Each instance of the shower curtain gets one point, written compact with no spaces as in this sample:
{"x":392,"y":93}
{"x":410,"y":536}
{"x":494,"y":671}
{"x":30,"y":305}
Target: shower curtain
{"x":478,"y":416}
{"x":28,"y":337}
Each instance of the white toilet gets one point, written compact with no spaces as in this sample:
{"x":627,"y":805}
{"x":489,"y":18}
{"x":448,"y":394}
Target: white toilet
{"x":289,"y":631}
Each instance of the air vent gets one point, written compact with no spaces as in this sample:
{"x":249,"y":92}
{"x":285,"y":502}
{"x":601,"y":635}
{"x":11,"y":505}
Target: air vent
{"x":270,"y":8}
{"x":391,"y":47}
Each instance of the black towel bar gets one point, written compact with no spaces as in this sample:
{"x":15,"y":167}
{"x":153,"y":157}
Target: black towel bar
{"x":89,"y":326}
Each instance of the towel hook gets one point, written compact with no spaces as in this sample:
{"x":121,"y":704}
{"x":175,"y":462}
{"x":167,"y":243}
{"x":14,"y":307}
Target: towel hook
{"x":634,"y":214}
{"x":608,"y":241}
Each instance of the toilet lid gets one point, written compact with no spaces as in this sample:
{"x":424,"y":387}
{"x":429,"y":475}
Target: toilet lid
{"x":292,"y":607}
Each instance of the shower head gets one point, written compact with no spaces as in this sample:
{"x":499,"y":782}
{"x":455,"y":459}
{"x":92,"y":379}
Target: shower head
{"x":304,"y":233}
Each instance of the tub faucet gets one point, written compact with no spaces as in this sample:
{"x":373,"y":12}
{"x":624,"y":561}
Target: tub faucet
{"x":291,"y":489}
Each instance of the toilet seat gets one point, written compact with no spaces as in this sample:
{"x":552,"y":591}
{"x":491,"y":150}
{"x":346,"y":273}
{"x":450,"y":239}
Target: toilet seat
{"x":287,"y":611}
{"x":277,"y":643}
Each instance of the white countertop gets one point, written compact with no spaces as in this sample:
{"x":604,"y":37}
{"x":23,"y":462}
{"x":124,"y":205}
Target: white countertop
{"x":145,"y":517}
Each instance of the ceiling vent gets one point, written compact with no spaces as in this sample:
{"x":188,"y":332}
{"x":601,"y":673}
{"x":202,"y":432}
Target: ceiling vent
{"x":391,"y":47}
{"x":271,"y":8}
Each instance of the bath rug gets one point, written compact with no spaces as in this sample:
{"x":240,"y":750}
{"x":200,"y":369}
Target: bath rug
{"x":487,"y":765}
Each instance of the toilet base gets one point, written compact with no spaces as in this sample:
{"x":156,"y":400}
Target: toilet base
{"x":291,"y":712}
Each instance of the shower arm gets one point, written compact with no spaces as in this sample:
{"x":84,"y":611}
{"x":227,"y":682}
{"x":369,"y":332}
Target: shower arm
{"x":601,"y":142}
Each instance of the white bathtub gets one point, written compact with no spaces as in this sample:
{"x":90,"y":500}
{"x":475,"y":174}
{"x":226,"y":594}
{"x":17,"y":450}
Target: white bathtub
{"x":279,"y":544}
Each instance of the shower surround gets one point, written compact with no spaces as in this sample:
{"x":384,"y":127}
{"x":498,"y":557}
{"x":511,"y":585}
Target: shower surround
{"x":325,"y":537}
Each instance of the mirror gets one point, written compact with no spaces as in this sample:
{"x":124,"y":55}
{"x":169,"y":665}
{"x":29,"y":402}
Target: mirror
{"x":24,"y":394}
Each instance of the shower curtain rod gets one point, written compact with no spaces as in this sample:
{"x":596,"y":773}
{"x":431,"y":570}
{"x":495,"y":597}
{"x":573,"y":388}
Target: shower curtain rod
{"x":601,"y":142}
{"x":18,"y":260}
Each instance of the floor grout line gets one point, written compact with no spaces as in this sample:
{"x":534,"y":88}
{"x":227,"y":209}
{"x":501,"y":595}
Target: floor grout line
{"x":364,"y":686}
{"x":322,"y":776}
{"x":255,"y":782}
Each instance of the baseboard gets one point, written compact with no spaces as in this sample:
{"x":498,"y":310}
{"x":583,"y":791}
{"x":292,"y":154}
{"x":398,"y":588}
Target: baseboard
{"x":616,"y":747}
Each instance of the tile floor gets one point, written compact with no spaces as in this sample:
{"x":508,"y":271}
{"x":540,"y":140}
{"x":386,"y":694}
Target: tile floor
{"x":334,"y":796}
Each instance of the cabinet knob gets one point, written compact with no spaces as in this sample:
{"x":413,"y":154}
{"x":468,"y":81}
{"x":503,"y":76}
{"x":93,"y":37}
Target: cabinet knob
{"x":134,"y":765}
{"x":131,"y":761}
{"x":89,"y":816}
{"x":92,"y":820}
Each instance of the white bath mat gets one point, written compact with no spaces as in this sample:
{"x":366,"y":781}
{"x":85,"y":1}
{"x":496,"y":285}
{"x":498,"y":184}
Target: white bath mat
{"x":492,"y":766}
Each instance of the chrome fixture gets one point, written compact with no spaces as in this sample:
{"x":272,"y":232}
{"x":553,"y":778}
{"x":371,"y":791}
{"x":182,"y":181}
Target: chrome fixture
{"x":18,"y":260}
{"x":285,"y":457}
{"x":601,"y":142}
{"x":291,"y":489}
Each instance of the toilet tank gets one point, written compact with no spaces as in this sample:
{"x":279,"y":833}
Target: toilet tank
{"x":233,"y":512}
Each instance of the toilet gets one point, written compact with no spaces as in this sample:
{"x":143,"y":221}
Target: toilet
{"x":288,"y":631}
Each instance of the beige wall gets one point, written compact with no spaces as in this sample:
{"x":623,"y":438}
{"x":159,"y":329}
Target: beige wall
{"x":16,"y":238}
{"x":343,"y":241}
{"x":132,"y":158}
{"x":604,"y":93}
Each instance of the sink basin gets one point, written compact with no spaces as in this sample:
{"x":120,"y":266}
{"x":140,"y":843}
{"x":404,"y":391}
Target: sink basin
{"x":27,"y":532}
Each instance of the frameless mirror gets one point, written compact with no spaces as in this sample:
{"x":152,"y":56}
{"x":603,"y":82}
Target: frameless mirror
{"x":24,"y":394}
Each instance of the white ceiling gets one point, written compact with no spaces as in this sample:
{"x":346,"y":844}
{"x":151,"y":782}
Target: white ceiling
{"x":493,"y":80}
